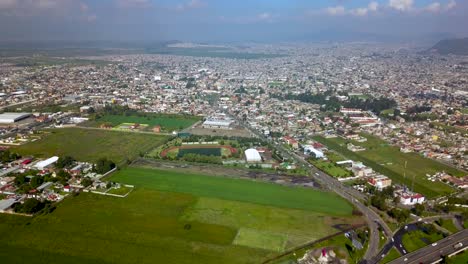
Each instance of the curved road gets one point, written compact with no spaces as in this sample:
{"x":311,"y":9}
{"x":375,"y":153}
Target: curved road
{"x":352,"y":195}
{"x":396,"y":240}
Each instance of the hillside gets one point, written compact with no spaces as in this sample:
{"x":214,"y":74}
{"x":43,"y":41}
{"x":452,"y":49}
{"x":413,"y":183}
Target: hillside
{"x":451,"y":46}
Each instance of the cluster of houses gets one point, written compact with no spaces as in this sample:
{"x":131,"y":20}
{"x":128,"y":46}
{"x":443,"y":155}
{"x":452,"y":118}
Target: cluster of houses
{"x":49,"y":189}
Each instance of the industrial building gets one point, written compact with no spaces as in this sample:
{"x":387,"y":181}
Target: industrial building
{"x":215,"y":123}
{"x":252,"y":156}
{"x":44,"y":164}
{"x":10,"y":118}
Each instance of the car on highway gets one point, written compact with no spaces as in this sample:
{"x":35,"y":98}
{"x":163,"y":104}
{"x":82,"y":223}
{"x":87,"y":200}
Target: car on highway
{"x":434,"y":244}
{"x":457,"y":246}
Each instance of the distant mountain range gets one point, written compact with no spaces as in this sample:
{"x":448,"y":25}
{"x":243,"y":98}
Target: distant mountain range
{"x":451,"y":46}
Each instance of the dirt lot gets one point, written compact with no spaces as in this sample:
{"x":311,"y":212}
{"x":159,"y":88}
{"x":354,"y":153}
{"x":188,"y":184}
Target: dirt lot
{"x":236,"y":132}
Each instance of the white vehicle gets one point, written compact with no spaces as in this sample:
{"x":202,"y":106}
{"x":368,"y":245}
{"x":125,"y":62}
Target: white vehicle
{"x":434,"y":244}
{"x":404,"y":251}
{"x":406,"y":259}
{"x":457,"y":246}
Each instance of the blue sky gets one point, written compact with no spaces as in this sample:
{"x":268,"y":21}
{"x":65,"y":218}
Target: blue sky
{"x":231,"y":20}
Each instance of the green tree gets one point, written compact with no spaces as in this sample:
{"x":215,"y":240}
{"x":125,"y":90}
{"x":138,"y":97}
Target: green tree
{"x":86,"y":182}
{"x":36,"y":181}
{"x":65,"y":162}
{"x":104,"y":165}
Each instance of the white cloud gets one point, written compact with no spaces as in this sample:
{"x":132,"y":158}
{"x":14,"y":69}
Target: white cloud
{"x":451,"y":4}
{"x":133,"y":3}
{"x":362,"y":11}
{"x":373,"y":6}
{"x":336,"y":11}
{"x":401,"y":5}
{"x":359,"y":11}
{"x":192,"y":4}
{"x":434,"y":7}
{"x":73,"y":9}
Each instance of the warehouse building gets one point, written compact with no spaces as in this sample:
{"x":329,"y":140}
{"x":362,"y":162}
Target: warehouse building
{"x":218,"y":123}
{"x":252,"y":156}
{"x":10,"y":118}
{"x":41,"y":165}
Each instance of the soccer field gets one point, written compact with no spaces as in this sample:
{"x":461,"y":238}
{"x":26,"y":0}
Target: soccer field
{"x":167,"y":122}
{"x":91,"y":144}
{"x":174,"y":218}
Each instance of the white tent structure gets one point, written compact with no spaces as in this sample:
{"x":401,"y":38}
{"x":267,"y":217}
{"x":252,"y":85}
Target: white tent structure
{"x":252,"y":156}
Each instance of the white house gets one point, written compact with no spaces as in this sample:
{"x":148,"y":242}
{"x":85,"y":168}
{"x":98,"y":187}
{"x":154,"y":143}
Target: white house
{"x":310,"y":149}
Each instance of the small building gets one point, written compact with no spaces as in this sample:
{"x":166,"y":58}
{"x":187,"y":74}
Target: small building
{"x":380,"y":181}
{"x":6,"y":204}
{"x":252,"y":156}
{"x":44,"y":186}
{"x":308,"y":149}
{"x":291,"y":141}
{"x":410,"y":198}
{"x":157,"y":129}
{"x":41,"y":165}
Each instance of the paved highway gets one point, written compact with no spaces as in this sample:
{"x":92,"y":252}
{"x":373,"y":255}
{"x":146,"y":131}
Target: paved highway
{"x":352,"y":195}
{"x":434,"y":252}
{"x":396,"y":240}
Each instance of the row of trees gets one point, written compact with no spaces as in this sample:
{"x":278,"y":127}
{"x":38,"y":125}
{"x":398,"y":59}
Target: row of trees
{"x":103,"y":165}
{"x":191,"y":157}
{"x":33,"y":206}
{"x":7,"y":156}
{"x":332,"y":103}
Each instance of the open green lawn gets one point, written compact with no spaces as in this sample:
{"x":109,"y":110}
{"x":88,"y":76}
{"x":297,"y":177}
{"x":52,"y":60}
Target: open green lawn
{"x":235,"y":189}
{"x":142,"y":228}
{"x":299,"y":226}
{"x":459,"y":259}
{"x":415,"y":240}
{"x":173,"y":218}
{"x":389,"y":161}
{"x":260,"y":239}
{"x":332,"y":169}
{"x":448,"y":225}
{"x":90,"y":145}
{"x":167,"y":122}
{"x":391,"y":255}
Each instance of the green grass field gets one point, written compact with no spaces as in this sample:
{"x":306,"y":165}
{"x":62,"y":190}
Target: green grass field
{"x":167,"y":122}
{"x":259,"y":239}
{"x":172,"y":218}
{"x":459,"y":259}
{"x":389,"y":161}
{"x":235,"y":190}
{"x":391,"y":255}
{"x":200,"y":151}
{"x":449,"y":225}
{"x":415,"y":240}
{"x":90,"y":145}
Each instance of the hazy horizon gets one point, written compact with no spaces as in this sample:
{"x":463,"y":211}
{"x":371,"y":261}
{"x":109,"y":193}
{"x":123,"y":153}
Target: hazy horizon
{"x":232,"y":21}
